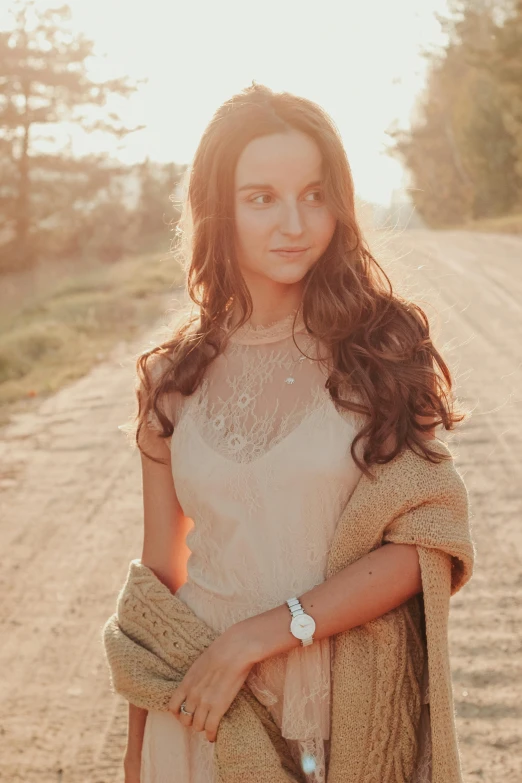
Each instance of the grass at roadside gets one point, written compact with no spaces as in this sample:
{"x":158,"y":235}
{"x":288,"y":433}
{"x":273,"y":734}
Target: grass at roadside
{"x":507,"y":224}
{"x":48,"y":340}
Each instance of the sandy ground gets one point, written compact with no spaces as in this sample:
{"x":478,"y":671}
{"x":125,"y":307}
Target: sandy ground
{"x":71,"y":519}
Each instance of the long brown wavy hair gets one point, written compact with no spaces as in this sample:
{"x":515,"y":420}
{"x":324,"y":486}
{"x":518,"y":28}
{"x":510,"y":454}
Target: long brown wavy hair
{"x":379,"y":342}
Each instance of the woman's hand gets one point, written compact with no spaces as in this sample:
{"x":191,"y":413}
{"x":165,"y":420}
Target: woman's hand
{"x":213,"y":681}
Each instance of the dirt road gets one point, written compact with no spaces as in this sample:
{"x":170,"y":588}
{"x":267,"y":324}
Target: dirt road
{"x":71,"y":519}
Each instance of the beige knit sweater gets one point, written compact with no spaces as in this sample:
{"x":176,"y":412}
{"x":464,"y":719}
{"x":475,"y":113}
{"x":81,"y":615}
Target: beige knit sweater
{"x":153,"y":638}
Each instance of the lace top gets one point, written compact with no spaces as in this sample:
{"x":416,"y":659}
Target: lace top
{"x":262,"y":465}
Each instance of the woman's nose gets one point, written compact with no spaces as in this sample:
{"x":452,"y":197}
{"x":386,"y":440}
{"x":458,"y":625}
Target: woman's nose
{"x":291,"y":220}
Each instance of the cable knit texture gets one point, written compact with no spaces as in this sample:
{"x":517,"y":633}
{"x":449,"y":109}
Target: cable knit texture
{"x":153,"y":638}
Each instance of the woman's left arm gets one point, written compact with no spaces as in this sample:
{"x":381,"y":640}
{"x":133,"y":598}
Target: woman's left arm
{"x":368,"y":588}
{"x":364,"y":590}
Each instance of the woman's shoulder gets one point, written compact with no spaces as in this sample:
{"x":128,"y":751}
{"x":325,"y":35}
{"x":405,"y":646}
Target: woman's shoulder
{"x":154,"y":387}
{"x":156,"y":362}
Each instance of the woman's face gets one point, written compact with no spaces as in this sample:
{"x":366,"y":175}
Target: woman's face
{"x":279,"y":203}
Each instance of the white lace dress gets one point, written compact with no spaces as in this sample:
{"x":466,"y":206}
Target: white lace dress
{"x":262,"y":465}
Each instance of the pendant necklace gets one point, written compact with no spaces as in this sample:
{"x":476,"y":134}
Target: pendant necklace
{"x":291,"y":378}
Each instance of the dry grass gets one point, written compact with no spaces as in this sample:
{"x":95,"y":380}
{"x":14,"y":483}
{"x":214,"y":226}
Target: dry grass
{"x":55,"y":332}
{"x":507,"y":224}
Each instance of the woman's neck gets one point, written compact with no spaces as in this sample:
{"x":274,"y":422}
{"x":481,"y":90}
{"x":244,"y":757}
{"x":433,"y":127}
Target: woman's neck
{"x":267,"y":316}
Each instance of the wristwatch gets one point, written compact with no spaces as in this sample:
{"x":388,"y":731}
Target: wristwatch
{"x":302,"y":626}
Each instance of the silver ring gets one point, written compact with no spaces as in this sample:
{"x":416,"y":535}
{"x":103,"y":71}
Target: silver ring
{"x":184,"y":711}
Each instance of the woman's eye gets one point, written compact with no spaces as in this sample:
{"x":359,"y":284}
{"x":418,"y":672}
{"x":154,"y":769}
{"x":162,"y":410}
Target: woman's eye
{"x":262,"y":195}
{"x":255,"y":200}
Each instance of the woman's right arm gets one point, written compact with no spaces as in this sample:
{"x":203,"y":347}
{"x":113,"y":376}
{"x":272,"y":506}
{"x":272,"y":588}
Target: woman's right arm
{"x":135,"y":732}
{"x":164,"y":552}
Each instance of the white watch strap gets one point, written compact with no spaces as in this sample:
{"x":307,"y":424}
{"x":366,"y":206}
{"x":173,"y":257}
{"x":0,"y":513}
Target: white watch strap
{"x":295,"y":607}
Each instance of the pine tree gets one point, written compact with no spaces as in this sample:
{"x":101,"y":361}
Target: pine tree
{"x":461,"y":150}
{"x":43,"y":84}
{"x":155,"y":211}
{"x":505,"y":65}
{"x":486,"y":147}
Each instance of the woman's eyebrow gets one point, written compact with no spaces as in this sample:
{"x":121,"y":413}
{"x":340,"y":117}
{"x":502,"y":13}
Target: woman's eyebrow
{"x":266,"y":186}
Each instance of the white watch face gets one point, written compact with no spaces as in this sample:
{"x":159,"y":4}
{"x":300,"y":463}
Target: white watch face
{"x":302,"y":626}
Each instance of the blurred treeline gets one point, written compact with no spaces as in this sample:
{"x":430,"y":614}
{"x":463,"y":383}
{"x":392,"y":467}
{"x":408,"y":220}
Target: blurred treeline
{"x":55,"y":204}
{"x":464,"y":148}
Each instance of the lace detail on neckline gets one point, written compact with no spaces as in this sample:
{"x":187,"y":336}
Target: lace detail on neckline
{"x":239,"y":425}
{"x":247,"y":334}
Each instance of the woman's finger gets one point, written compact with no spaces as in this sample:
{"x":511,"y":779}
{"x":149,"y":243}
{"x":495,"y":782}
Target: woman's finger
{"x":176,"y":700}
{"x":175,"y":708}
{"x":200,"y":716}
{"x":212,"y":725}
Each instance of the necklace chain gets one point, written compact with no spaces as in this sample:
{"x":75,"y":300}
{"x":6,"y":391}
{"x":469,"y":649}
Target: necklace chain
{"x":290,"y":379}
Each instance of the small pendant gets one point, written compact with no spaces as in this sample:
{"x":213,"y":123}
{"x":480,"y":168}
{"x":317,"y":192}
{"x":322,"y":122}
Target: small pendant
{"x":290,"y":380}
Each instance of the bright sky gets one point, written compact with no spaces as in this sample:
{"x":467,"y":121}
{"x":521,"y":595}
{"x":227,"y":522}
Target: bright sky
{"x":360,"y":61}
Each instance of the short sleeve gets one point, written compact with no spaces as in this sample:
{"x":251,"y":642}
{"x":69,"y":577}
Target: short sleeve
{"x":153,"y":421}
{"x":156,"y":366}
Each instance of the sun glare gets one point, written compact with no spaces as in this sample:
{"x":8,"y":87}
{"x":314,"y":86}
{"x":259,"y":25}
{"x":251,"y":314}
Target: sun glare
{"x":362,"y":62}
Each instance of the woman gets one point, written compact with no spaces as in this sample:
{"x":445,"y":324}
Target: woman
{"x":300,"y":369}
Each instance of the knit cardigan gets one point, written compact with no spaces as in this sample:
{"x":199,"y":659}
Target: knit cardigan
{"x":153,"y":638}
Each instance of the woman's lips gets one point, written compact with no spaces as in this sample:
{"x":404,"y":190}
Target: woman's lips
{"x":290,"y":253}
